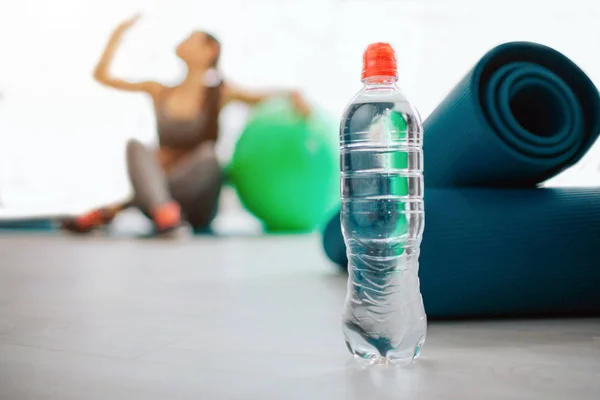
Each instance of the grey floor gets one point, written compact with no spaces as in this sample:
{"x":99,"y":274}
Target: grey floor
{"x":243,"y":318}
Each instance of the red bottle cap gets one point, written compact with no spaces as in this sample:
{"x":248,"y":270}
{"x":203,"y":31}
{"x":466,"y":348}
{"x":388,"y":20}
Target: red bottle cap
{"x":379,"y":59}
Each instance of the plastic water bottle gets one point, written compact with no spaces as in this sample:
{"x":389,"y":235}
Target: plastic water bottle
{"x":381,"y":161}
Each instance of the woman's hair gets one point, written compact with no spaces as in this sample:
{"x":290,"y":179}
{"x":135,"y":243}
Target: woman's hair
{"x":213,"y":95}
{"x":211,"y":39}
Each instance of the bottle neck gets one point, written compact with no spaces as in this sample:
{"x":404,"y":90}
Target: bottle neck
{"x":380,"y":82}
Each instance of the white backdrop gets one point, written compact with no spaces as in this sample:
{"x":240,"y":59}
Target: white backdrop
{"x":62,"y":136}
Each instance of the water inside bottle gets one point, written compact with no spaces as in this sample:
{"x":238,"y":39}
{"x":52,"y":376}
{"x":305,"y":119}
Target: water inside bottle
{"x":382,"y":220}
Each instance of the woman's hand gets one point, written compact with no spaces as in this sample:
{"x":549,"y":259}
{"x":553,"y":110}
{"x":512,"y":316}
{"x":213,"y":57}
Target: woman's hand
{"x":102,"y":71}
{"x":300,"y":103}
{"x":128,"y":23}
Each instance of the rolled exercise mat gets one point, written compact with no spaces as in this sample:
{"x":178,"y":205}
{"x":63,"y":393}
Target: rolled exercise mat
{"x":505,"y":252}
{"x":524,"y":113}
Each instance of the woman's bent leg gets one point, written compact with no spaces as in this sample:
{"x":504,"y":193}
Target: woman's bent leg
{"x":151,"y":187}
{"x":195,"y":182}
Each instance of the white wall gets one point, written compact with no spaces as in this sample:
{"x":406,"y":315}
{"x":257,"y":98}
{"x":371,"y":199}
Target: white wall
{"x":62,"y":136}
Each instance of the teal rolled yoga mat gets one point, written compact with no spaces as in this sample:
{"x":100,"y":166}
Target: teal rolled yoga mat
{"x":494,"y":244}
{"x":524,"y":113}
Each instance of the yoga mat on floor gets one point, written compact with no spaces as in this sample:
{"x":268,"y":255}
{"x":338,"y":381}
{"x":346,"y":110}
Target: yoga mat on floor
{"x":33,"y":224}
{"x":29,"y":219}
{"x":524,"y":113}
{"x":505,"y":252}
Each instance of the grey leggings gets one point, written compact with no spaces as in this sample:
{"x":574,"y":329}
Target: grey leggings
{"x":194,"y":182}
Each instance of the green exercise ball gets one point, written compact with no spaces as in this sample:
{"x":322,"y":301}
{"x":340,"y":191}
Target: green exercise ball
{"x":285,"y":168}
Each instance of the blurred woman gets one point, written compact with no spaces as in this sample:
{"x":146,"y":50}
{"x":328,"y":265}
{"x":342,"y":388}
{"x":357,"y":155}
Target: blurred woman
{"x":181,"y":180}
